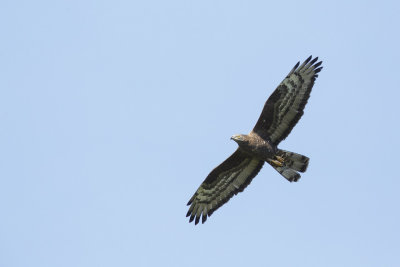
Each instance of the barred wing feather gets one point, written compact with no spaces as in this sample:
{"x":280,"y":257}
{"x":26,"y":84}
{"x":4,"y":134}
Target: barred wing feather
{"x":228,"y":179}
{"x":285,"y":106}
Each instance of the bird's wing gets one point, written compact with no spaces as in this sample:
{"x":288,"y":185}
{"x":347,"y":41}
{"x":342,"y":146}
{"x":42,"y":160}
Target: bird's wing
{"x":229,"y":178}
{"x":285,"y":106}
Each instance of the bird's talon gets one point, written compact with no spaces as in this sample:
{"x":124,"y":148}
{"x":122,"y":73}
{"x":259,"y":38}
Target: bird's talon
{"x":280,"y":159}
{"x":276,"y":163}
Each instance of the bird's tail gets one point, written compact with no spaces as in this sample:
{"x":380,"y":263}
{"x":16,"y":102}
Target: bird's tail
{"x":288,"y":164}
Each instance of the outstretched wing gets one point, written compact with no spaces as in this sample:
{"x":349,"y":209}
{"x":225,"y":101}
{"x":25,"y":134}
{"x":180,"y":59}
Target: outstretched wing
{"x":229,"y":178}
{"x":285,"y":106}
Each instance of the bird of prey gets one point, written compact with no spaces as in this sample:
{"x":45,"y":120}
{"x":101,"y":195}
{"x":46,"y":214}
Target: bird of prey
{"x":280,"y":114}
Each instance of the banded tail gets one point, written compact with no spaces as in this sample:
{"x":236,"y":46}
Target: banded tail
{"x":289,"y":164}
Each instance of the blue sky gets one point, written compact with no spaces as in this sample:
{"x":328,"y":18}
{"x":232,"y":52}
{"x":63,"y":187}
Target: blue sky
{"x":114,"y":112}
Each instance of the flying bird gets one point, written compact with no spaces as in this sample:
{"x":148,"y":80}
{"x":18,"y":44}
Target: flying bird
{"x":280,"y":114}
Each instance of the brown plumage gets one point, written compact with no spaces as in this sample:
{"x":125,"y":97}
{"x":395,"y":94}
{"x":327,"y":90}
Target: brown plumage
{"x":280,"y":114}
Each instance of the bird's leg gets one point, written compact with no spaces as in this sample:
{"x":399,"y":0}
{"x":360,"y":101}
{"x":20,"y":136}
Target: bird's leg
{"x":280,"y":159}
{"x":275,"y":162}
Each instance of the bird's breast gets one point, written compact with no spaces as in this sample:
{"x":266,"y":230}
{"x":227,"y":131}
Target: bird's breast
{"x":262,"y":150}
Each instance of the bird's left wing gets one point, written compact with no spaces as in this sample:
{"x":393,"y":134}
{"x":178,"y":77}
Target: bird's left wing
{"x":229,"y":178}
{"x":285,"y":106}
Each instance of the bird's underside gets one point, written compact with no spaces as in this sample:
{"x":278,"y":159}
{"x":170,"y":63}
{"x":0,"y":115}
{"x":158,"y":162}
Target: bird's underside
{"x":281,"y":112}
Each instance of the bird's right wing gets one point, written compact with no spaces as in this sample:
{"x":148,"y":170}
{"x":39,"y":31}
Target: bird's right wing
{"x":229,"y":178}
{"x":285,"y":106}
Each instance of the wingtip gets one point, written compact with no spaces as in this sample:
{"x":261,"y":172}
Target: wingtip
{"x":313,"y":61}
{"x":191,"y":200}
{"x":294,"y":68}
{"x":318,"y":64}
{"x":318,"y":69}
{"x":204,"y":218}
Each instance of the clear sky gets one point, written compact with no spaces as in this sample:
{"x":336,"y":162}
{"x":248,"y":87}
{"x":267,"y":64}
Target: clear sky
{"x":113,"y":112}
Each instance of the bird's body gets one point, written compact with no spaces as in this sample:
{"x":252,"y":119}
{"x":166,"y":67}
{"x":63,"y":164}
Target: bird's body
{"x":254,"y":145}
{"x":280,"y":114}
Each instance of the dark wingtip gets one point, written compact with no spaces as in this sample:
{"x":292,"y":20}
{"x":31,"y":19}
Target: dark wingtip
{"x":191,"y":200}
{"x":314,"y":60}
{"x":188,"y":213}
{"x":197,"y":220}
{"x":318,"y":64}
{"x":204,"y":218}
{"x":308,"y":59}
{"x":318,"y":69}
{"x":191,"y":218}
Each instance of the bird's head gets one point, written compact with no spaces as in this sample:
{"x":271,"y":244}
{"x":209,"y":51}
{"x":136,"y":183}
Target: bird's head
{"x":238,"y":138}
